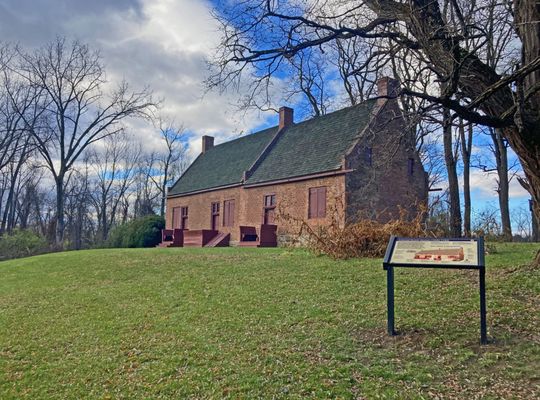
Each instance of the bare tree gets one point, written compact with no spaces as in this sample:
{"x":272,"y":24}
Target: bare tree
{"x":113,"y":166}
{"x":170,"y":162}
{"x":16,"y":100}
{"x":358,"y":63}
{"x":521,"y":218}
{"x":466,"y":140}
{"x":71,"y":79}
{"x":486,"y":222}
{"x":451,"y":169}
{"x":147,"y":195}
{"x":499,"y":149}
{"x":79,"y":222}
{"x":309,"y":79}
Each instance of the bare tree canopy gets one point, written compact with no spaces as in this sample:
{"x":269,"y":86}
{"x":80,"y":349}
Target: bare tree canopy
{"x":171,"y":162}
{"x":75,"y":109}
{"x":445,"y":38}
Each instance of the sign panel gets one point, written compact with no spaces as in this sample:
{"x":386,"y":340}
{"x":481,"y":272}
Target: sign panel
{"x":433,"y":253}
{"x":426,"y":251}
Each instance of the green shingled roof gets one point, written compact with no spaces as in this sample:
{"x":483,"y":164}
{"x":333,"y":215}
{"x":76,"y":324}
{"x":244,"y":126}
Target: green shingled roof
{"x":223,"y":164}
{"x":314,"y":146}
{"x":310,"y":147}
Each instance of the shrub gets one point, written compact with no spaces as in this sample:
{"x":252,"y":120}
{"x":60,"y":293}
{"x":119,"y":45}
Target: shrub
{"x":366,"y":238}
{"x":22,"y":243}
{"x":141,"y":232}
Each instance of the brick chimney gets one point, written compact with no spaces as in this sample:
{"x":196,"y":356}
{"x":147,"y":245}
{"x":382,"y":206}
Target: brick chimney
{"x":387,"y":86}
{"x":286,"y":117}
{"x":207,"y":143}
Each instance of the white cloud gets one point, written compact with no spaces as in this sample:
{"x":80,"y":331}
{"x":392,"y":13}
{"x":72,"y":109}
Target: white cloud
{"x":162,"y":44}
{"x":485,"y":184}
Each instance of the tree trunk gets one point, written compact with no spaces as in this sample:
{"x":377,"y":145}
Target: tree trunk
{"x":5,"y":215}
{"x":501,"y":160}
{"x":104,"y":219}
{"x":534,"y":225}
{"x":525,"y":140}
{"x":164,"y":188}
{"x":60,"y":219}
{"x":466,"y":148}
{"x":453,"y":184}
{"x":527,"y":148}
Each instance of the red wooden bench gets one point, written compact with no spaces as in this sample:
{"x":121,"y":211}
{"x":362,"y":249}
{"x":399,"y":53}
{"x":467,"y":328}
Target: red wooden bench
{"x":171,"y":238}
{"x":267,"y":236}
{"x":248,"y":234}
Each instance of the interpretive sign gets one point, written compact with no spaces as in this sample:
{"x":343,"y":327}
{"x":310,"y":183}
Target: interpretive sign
{"x":455,"y":252}
{"x":435,"y":253}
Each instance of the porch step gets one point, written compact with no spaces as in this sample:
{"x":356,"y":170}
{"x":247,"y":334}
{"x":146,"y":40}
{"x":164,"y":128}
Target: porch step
{"x":168,"y":244}
{"x":249,"y":244}
{"x":220,"y":240}
{"x":199,"y":238}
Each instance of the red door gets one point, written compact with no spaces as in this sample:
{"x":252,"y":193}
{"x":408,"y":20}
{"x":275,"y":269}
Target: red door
{"x":215,"y":216}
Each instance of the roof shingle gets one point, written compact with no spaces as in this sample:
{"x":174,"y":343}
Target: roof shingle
{"x":223,"y":164}
{"x":310,"y":147}
{"x":313,"y":146}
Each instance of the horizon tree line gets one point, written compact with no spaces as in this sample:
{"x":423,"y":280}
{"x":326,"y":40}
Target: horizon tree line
{"x":63,"y":126}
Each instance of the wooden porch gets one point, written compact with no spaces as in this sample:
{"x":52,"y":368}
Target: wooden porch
{"x":250,"y":236}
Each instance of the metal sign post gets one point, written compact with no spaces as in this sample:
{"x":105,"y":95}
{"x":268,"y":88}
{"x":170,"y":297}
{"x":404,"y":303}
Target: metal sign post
{"x":435,"y":253}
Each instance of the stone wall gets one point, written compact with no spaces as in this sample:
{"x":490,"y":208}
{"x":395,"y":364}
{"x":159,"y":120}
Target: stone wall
{"x":380,"y":188}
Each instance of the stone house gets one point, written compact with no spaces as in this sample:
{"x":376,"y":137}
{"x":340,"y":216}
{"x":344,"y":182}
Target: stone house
{"x":359,"y":160}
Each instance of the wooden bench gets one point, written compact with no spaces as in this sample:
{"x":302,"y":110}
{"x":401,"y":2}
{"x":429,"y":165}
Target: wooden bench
{"x":267,"y":236}
{"x":171,"y":238}
{"x":248,"y":234}
{"x":167,"y":235}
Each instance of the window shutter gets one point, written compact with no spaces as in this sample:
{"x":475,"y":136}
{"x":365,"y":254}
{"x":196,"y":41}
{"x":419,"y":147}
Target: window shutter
{"x":321,"y":202}
{"x":228,"y":213}
{"x":231,"y":213}
{"x":312,"y":213}
{"x":176,"y":217}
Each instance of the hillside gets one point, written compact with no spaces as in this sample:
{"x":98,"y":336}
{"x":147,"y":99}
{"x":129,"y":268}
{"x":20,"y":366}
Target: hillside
{"x":248,"y":323}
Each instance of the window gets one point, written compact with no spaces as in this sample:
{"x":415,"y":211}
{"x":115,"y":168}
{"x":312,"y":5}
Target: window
{"x":269,"y":208}
{"x":270,"y":200}
{"x":183,"y":218}
{"x":228,"y":213}
{"x":410,"y":166}
{"x":180,"y":217}
{"x":215,"y":216}
{"x":369,"y":156}
{"x":317,"y":202}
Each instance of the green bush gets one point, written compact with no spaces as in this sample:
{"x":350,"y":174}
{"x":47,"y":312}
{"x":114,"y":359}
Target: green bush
{"x":141,"y":232}
{"x":22,"y":243}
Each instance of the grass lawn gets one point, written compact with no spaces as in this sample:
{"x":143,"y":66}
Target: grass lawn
{"x":262,"y":323}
